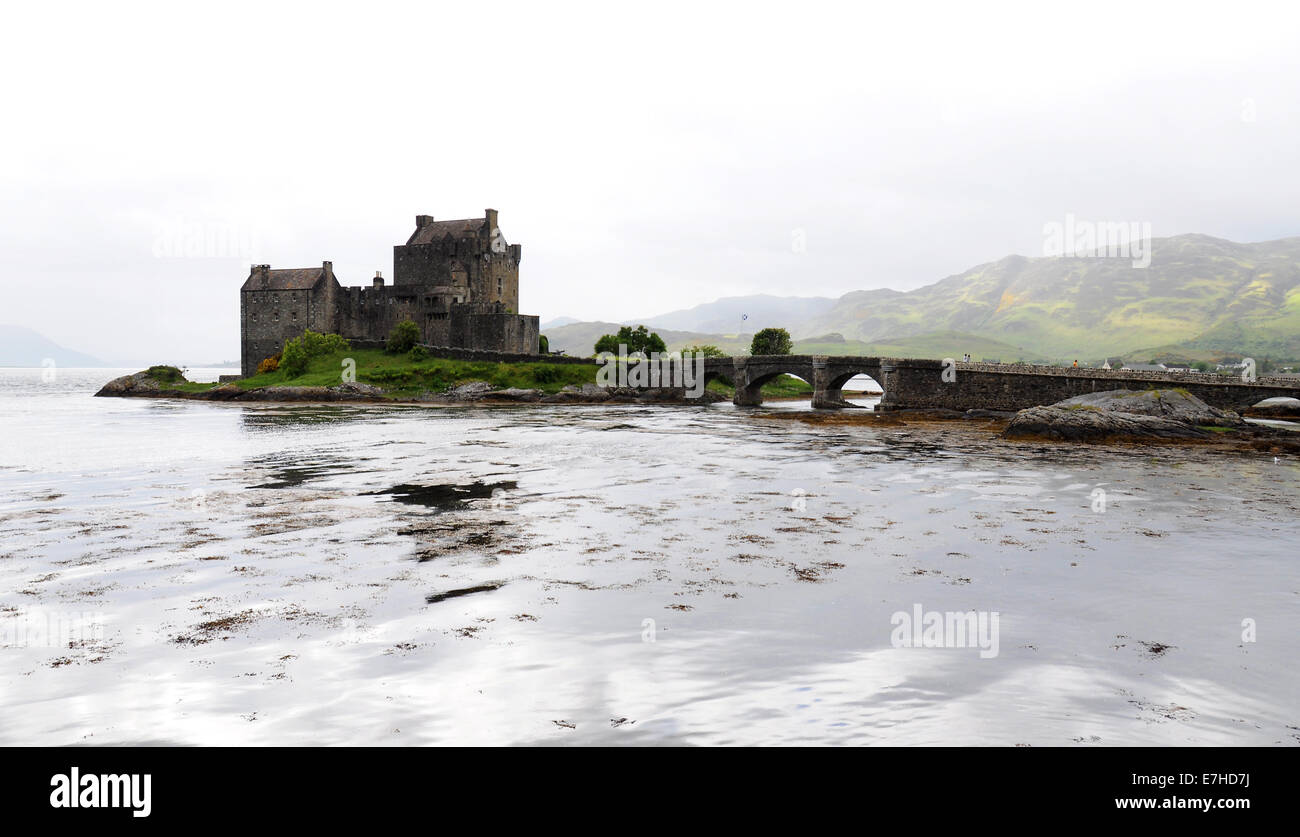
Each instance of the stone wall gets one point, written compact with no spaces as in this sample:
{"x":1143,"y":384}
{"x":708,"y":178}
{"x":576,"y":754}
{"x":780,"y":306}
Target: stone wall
{"x":920,"y":384}
{"x":268,"y":319}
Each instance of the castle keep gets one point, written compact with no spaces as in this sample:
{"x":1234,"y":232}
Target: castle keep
{"x":457,"y":280}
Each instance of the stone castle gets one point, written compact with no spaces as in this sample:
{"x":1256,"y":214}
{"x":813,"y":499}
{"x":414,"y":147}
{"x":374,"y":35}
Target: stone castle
{"x":457,"y":280}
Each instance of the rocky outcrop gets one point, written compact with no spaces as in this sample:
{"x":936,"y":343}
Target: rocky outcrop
{"x":141,"y":383}
{"x":1124,"y":415}
{"x":1275,"y":408}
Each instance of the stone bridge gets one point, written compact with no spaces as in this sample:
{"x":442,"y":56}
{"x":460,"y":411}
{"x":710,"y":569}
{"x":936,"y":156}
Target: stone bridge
{"x":936,"y":384}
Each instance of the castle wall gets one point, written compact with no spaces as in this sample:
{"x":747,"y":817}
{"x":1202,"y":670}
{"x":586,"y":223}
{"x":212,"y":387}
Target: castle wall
{"x":461,"y":290}
{"x":498,"y":331}
{"x":269,"y":318}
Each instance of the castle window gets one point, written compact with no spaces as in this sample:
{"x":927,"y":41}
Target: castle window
{"x":276,"y":316}
{"x":499,"y":289}
{"x":295,"y":315}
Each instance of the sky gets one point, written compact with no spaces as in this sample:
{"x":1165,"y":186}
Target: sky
{"x":647,"y":157}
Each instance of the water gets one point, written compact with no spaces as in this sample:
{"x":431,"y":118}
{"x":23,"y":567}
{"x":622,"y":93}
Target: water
{"x":236,"y":574}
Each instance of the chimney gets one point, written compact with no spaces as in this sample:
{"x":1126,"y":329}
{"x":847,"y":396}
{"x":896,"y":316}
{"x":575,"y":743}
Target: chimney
{"x":423,"y":221}
{"x":379,"y":279}
{"x":328,"y":267}
{"x":491,"y":215}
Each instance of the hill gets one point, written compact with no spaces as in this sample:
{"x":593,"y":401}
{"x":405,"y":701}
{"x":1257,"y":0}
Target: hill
{"x":1199,"y":298}
{"x":737,"y":313}
{"x":1199,"y":292}
{"x":20,"y":346}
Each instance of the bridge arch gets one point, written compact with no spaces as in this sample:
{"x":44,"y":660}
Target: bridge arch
{"x":840,"y":373}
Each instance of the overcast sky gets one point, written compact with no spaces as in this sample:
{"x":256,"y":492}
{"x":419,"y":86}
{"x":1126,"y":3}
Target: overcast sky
{"x":647,"y":159}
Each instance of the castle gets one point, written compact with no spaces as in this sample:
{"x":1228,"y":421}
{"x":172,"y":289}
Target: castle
{"x":457,"y":280}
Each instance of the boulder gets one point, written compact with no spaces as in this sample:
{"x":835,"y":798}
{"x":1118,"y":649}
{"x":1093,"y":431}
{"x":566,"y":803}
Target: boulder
{"x":514,"y":394}
{"x":1275,"y":408}
{"x":138,"y":384}
{"x":1122,"y":415}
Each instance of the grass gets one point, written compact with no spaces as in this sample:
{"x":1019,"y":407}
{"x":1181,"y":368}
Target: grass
{"x":401,"y":377}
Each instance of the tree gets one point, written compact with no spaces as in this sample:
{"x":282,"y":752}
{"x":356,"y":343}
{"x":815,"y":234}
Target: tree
{"x":543,"y":345}
{"x":639,"y":339}
{"x":403,"y":337}
{"x":771,"y":341}
{"x":707,"y":351}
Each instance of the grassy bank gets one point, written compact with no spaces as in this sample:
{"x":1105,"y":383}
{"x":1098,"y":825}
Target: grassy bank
{"x":402,"y":377}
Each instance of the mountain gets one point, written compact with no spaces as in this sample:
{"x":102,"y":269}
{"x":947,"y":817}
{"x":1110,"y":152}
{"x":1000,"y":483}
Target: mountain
{"x":733,"y":314}
{"x":579,"y":339}
{"x":559,"y":321}
{"x":1198,"y":295}
{"x":20,"y":346}
{"x":1199,"y":298}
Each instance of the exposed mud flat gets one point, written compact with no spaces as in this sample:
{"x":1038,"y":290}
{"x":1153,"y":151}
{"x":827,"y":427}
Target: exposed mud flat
{"x":634,"y":574}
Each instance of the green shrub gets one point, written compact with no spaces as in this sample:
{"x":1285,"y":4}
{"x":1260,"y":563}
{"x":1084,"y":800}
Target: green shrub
{"x":418,"y":353}
{"x":165,"y":374}
{"x":547,"y":373}
{"x":771,"y":341}
{"x":300,"y":350}
{"x":403,"y":337}
{"x":543,"y":345}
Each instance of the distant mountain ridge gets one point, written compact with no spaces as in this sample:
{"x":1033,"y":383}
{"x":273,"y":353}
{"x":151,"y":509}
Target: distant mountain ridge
{"x":1200,"y":295}
{"x":733,"y":314}
{"x":1199,"y":292}
{"x":20,"y":346}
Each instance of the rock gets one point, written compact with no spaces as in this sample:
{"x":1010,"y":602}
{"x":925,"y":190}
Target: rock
{"x":225,"y":392}
{"x":1177,"y":404}
{"x":1275,"y":408}
{"x":138,"y":384}
{"x":514,"y":394}
{"x":356,"y":388}
{"x":472,"y":391}
{"x":1122,"y":415}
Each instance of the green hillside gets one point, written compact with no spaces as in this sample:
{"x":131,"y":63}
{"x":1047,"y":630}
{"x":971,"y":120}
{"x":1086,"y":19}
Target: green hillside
{"x":1198,"y":292}
{"x":1200,"y":298}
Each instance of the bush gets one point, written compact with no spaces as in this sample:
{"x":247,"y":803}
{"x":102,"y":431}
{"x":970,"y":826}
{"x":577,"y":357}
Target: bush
{"x":403,"y":337}
{"x":707,"y":351}
{"x":547,"y":373}
{"x":165,"y":374}
{"x":771,"y":341}
{"x":418,"y":353}
{"x":300,"y":350}
{"x":543,"y":345}
{"x":269,"y":364}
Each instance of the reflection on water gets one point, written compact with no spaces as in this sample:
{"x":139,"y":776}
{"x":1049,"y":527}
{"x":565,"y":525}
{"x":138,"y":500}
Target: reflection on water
{"x":623,"y":574}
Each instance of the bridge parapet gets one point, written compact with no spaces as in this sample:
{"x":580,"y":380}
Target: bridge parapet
{"x":944,"y":384}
